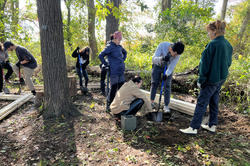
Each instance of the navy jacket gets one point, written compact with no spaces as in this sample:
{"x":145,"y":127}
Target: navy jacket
{"x":116,"y":56}
{"x":23,"y":54}
{"x":84,"y":56}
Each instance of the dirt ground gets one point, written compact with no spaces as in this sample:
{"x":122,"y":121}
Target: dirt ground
{"x":96,"y":138}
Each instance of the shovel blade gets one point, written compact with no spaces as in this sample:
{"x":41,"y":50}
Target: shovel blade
{"x":157,"y":116}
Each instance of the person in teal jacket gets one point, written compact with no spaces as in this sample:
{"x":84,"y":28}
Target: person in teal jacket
{"x":213,"y":71}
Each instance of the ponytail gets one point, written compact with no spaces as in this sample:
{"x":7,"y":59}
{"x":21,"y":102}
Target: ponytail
{"x":217,"y":26}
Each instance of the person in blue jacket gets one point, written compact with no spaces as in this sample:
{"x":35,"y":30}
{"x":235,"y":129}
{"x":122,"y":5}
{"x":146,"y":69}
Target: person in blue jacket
{"x":213,"y":71}
{"x":116,"y":56}
{"x":84,"y":59}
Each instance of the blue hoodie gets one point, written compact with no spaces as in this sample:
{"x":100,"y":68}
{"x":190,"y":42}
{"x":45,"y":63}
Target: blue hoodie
{"x":116,"y":57}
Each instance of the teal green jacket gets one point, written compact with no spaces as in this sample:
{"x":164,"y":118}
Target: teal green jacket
{"x":215,"y":61}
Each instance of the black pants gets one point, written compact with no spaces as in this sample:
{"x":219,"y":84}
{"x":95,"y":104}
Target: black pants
{"x":113,"y":90}
{"x":103,"y":77}
{"x":135,"y":106}
{"x":5,"y":65}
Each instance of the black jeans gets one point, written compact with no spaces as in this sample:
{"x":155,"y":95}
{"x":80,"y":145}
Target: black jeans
{"x":135,"y":106}
{"x":5,"y":65}
{"x":103,"y":77}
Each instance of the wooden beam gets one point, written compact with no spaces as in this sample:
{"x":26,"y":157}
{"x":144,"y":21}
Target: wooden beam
{"x":9,"y":97}
{"x":178,"y":105}
{"x":14,"y":105}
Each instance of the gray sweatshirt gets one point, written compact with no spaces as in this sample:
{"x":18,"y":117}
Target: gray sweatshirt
{"x":3,"y":56}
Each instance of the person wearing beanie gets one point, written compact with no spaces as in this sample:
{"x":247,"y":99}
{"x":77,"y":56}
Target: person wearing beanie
{"x":166,"y":54}
{"x":116,"y":56}
{"x":26,"y":62}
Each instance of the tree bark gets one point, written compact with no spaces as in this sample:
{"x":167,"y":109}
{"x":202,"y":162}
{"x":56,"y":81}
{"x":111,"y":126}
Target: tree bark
{"x":15,"y":16}
{"x":112,"y":23}
{"x":69,"y":35}
{"x":244,"y":25}
{"x":223,"y":10}
{"x":165,"y":4}
{"x":57,"y":103}
{"x":91,"y":28}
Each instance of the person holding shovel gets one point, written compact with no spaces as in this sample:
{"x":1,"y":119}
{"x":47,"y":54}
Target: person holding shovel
{"x":213,"y":71}
{"x":26,"y":61}
{"x":166,"y":57}
{"x":116,"y":56}
{"x":4,"y":64}
{"x":129,"y":99}
{"x":81,"y":64}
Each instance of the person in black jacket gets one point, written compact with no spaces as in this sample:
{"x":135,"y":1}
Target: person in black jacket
{"x":83,"y":59}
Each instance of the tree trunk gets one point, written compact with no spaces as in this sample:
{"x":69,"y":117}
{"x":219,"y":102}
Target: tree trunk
{"x":244,"y":25}
{"x":91,"y":28}
{"x":165,"y":4}
{"x":69,"y":35}
{"x":2,"y":23}
{"x":57,"y":103}
{"x":15,"y":16}
{"x":223,"y":10}
{"x":112,"y":23}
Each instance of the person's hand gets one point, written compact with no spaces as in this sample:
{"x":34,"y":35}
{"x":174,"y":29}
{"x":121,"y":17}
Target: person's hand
{"x":18,"y":64}
{"x":164,"y":77}
{"x":199,"y":85}
{"x":167,"y":57}
{"x":23,"y":62}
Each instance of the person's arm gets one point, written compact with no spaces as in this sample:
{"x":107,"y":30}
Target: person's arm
{"x":157,"y":58}
{"x":86,"y":60}
{"x":25,"y":55}
{"x":105,"y":52}
{"x":205,"y":63}
{"x":75,"y":53}
{"x":172,"y":65}
{"x":124,"y":52}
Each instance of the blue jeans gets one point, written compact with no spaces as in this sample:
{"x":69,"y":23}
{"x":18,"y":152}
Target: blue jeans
{"x":84,"y":74}
{"x":156,"y":76}
{"x":209,"y":94}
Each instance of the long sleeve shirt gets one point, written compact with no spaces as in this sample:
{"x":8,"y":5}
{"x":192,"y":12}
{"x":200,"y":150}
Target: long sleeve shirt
{"x":23,"y":54}
{"x":215,"y":61}
{"x":83,"y":57}
{"x":161,"y":51}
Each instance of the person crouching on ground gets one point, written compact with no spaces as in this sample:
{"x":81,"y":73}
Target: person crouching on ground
{"x":26,"y":61}
{"x":213,"y":71}
{"x":84,"y":60}
{"x":129,"y":99}
{"x":4,"y":63}
{"x":166,"y":54}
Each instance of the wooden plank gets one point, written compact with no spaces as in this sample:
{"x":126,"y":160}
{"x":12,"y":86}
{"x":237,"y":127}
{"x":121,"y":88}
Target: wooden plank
{"x":9,"y":97}
{"x":178,"y":105}
{"x":14,"y":105}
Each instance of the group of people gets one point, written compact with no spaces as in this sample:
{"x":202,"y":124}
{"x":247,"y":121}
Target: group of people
{"x":125,"y":98}
{"x":26,"y":62}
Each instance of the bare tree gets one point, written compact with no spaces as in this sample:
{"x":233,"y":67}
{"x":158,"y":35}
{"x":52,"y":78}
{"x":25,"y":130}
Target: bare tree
{"x":165,"y":4}
{"x":15,"y":15}
{"x":91,"y":28}
{"x":2,"y":26}
{"x":223,"y":10}
{"x":57,"y":102}
{"x":112,"y":23}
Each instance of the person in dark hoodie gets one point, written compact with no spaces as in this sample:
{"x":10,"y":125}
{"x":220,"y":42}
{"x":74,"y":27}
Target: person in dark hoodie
{"x":84,"y":60}
{"x":116,"y":55}
{"x":26,"y":61}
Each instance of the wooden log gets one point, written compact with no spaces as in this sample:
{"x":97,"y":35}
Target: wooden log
{"x":72,"y":85}
{"x":9,"y":97}
{"x":14,"y":105}
{"x":178,"y":105}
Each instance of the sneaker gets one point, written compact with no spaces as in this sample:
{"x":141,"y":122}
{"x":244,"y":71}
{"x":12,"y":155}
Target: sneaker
{"x":189,"y":130}
{"x":166,"y":109}
{"x":212,"y":128}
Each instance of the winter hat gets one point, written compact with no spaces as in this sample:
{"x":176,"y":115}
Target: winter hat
{"x":118,"y":35}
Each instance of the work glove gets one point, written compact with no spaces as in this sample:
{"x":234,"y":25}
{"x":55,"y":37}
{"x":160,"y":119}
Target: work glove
{"x":167,"y":57}
{"x":164,"y":77}
{"x":18,"y":64}
{"x":199,"y":85}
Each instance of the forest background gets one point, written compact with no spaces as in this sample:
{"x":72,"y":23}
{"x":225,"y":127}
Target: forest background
{"x":143,"y":27}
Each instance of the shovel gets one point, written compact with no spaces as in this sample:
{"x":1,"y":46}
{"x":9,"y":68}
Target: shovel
{"x":158,"y":116}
